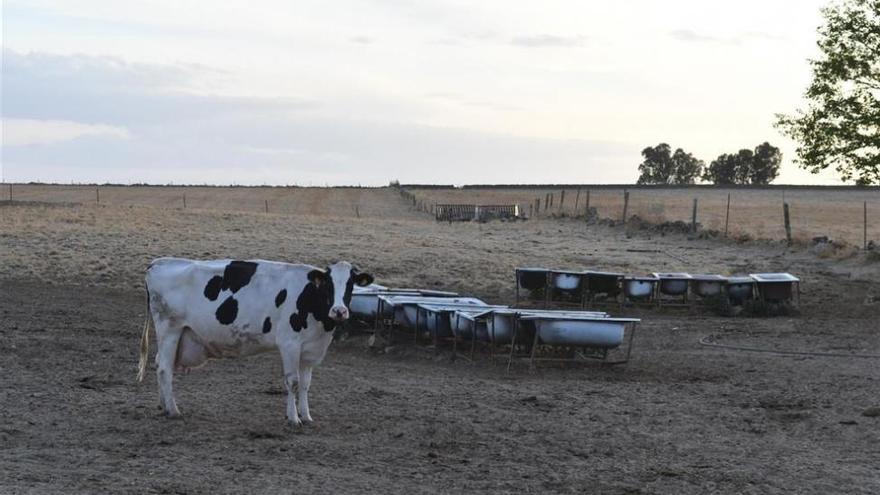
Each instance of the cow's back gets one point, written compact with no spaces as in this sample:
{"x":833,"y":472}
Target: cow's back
{"x":234,"y":307}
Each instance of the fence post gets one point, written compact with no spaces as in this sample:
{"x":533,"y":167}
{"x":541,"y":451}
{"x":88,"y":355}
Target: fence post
{"x":357,"y":211}
{"x":625,"y":204}
{"x":551,"y":201}
{"x":787,"y":219}
{"x":561,"y":199}
{"x":727,"y":216}
{"x":184,"y":201}
{"x":694,"y":217}
{"x":546,"y":201}
{"x":267,"y":206}
{"x":577,"y":200}
{"x":97,"y":195}
{"x":537,"y":206}
{"x":10,"y":191}
{"x":865,"y":232}
{"x":588,"y":204}
{"x":531,"y":207}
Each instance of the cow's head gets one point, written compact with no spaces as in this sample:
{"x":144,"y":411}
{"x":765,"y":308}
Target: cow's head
{"x":336,"y":284}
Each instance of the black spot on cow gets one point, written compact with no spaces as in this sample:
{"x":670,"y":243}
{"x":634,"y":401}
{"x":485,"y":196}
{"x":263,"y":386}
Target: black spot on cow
{"x":313,"y":300}
{"x":238,"y":274}
{"x":280,"y":298}
{"x":228,"y":311}
{"x":212,"y":289}
{"x":267,"y":325}
{"x":297,"y":323}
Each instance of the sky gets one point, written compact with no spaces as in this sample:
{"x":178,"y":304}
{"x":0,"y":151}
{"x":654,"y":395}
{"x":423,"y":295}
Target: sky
{"x":364,"y":92}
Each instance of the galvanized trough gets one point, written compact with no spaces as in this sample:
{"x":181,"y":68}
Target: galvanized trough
{"x":740,"y":290}
{"x":403,"y":308}
{"x":707,"y":285}
{"x":777,"y":287}
{"x":673,"y":284}
{"x":639,"y":289}
{"x":365,"y":301}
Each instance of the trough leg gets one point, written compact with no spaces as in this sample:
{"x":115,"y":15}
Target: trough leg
{"x":513,"y":342}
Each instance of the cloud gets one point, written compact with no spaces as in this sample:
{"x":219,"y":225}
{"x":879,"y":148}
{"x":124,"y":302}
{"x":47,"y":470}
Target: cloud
{"x":547,"y":40}
{"x":468,"y":102}
{"x":24,"y":132}
{"x":127,"y":131}
{"x":691,"y":36}
{"x":360,"y":39}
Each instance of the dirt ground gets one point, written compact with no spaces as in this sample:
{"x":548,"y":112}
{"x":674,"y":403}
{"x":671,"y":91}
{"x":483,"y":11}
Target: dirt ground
{"x":679,"y":418}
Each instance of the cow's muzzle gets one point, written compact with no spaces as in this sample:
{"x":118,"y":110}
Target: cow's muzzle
{"x":339,"y":313}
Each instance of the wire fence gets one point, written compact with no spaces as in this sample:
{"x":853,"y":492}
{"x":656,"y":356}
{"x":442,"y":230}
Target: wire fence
{"x":851,"y":215}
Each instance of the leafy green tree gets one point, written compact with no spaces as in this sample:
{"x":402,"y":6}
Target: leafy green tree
{"x":661,"y":166}
{"x":840,"y":125}
{"x":760,"y":166}
{"x":765,"y":164}
{"x":722,"y":170}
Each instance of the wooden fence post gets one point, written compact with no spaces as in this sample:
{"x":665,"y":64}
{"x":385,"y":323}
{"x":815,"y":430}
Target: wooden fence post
{"x":577,"y":200}
{"x":537,"y":206}
{"x":184,"y":201}
{"x":727,"y":216}
{"x":588,"y":204}
{"x":97,"y":195}
{"x":787,"y":220}
{"x":694,"y":217}
{"x":561,"y":199}
{"x":865,"y":232}
{"x":10,"y":191}
{"x":625,"y":204}
{"x":551,"y":201}
{"x":546,"y":201}
{"x":267,"y":206}
{"x":357,"y":211}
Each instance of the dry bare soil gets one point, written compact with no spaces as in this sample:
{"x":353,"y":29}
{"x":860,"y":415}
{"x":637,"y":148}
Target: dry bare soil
{"x":679,"y":418}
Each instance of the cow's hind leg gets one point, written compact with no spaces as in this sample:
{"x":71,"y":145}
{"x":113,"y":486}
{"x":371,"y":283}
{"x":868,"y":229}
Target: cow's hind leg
{"x":305,"y":381}
{"x":168,"y":338}
{"x":290,"y":362}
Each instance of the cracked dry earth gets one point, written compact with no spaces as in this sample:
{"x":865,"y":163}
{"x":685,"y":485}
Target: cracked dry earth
{"x":679,"y":418}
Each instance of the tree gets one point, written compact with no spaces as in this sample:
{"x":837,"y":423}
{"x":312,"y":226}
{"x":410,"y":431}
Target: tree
{"x":661,"y":166}
{"x":722,"y":170}
{"x":840,"y":126}
{"x":765,"y":164}
{"x":760,"y":166}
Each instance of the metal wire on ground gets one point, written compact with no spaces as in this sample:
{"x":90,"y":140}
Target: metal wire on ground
{"x":705,"y":341}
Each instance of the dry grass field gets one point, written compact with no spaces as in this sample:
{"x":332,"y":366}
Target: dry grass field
{"x":836,"y":213}
{"x":679,"y":418}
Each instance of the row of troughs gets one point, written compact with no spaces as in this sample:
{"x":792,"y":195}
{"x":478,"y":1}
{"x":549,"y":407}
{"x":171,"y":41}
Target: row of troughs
{"x":554,"y":334}
{"x":551,"y":287}
{"x":468,"y":322}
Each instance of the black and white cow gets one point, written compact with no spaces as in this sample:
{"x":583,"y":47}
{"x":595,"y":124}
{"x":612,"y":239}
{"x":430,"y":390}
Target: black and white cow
{"x":212,"y":309}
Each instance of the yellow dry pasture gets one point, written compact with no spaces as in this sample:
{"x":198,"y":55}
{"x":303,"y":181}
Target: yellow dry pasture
{"x":332,"y":201}
{"x":833,"y":212}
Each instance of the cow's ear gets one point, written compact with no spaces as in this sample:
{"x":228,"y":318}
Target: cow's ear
{"x":363,"y":279}
{"x":317,"y":277}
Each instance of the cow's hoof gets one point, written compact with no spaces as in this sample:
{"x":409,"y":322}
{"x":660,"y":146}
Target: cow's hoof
{"x":295,"y":425}
{"x":173,"y":414}
{"x":308,"y":421}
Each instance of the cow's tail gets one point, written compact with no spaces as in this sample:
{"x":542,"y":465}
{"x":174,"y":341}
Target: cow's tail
{"x":145,"y":341}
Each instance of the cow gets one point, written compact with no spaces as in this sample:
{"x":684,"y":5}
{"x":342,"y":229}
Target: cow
{"x":202,"y":310}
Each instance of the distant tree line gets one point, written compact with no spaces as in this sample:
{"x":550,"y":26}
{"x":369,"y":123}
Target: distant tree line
{"x":663,"y":166}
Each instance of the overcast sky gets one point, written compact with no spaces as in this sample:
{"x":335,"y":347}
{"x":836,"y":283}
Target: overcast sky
{"x":362,"y":92}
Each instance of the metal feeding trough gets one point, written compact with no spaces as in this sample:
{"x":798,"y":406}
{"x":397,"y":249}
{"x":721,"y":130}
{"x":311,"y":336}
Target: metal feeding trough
{"x":603,"y":283}
{"x":404,"y":308}
{"x":566,"y":287}
{"x":639,"y":289}
{"x":531,"y":283}
{"x":708,"y":285}
{"x":740,"y":290}
{"x":365,"y":300}
{"x":595,"y":331}
{"x":777,"y":287}
{"x":673,"y":284}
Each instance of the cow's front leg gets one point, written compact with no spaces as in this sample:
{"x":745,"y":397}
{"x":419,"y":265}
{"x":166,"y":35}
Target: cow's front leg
{"x":305,"y":380}
{"x":290,"y":361}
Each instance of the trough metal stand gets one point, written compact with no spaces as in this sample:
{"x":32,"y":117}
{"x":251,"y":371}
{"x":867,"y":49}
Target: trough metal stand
{"x":574,"y":358}
{"x":629,"y":347}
